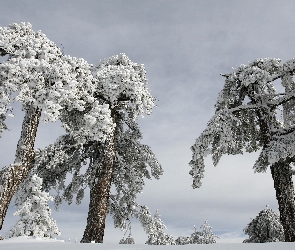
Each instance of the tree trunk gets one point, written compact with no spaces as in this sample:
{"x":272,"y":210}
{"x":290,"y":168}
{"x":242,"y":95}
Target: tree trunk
{"x":99,"y":197}
{"x":283,"y":184}
{"x":13,"y":175}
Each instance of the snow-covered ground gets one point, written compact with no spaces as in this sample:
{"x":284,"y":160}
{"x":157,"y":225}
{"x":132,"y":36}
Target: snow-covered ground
{"x":41,"y":244}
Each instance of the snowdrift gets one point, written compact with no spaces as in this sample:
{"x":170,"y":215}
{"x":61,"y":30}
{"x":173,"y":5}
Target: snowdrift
{"x":24,"y":243}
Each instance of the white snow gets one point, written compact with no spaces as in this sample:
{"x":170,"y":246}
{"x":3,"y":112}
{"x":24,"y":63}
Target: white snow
{"x":28,"y":243}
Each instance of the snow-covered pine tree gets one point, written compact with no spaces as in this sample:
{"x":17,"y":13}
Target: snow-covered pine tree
{"x":34,"y":212}
{"x":182,"y":240}
{"x":121,"y":160}
{"x":246,"y":119}
{"x":129,"y":239}
{"x":155,"y":227}
{"x":39,"y":76}
{"x":206,"y":236}
{"x":195,"y":236}
{"x":266,"y":227}
{"x":193,"y":239}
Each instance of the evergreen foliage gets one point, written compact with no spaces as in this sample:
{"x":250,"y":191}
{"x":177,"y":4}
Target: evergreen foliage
{"x":98,"y":107}
{"x":121,"y":158}
{"x":205,"y":236}
{"x":251,"y":115}
{"x":34,"y":212}
{"x":266,"y":227}
{"x":182,"y":240}
{"x":129,"y":239}
{"x":39,"y":76}
{"x":155,"y":227}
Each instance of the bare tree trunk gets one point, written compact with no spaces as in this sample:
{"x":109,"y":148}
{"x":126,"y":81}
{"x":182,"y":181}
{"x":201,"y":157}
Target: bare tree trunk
{"x":99,"y":197}
{"x":283,"y":184}
{"x":13,"y":175}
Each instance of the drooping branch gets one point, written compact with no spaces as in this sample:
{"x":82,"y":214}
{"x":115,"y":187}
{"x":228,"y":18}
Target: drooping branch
{"x":257,"y":124}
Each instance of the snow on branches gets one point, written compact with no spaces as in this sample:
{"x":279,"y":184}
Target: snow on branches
{"x":122,"y":81}
{"x":98,"y":107}
{"x":205,"y":236}
{"x":155,"y":227}
{"x":42,"y":76}
{"x":247,"y":117}
{"x":121,"y":87}
{"x":34,"y":211}
{"x":266,"y":227}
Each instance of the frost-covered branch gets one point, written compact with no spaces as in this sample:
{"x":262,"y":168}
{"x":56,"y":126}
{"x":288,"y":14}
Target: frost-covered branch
{"x":236,"y":127}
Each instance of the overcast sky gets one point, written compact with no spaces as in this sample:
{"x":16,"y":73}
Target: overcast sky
{"x":184,"y":45}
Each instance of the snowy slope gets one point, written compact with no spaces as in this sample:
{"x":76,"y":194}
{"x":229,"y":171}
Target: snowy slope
{"x":32,"y":244}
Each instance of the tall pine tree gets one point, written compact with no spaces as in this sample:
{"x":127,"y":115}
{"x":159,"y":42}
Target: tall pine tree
{"x":121,"y":160}
{"x":39,"y":76}
{"x":246,"y":119}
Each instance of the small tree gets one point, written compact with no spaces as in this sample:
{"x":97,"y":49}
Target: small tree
{"x":206,"y":236}
{"x":34,"y":212}
{"x":182,"y":240}
{"x":129,"y":239}
{"x":155,"y":227}
{"x":195,"y":237}
{"x":266,"y":227}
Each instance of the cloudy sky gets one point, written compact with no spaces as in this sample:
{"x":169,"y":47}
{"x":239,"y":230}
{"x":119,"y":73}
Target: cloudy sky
{"x":184,"y":45}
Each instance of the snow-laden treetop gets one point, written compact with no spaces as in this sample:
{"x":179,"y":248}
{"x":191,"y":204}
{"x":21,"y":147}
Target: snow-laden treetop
{"x":247,"y":117}
{"x":119,"y":79}
{"x":38,"y":74}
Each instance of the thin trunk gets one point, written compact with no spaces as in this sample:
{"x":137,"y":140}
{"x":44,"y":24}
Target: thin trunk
{"x":283,"y":184}
{"x":99,"y":197}
{"x":13,"y":175}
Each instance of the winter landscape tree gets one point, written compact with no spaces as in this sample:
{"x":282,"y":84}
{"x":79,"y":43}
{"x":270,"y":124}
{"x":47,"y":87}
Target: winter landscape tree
{"x":183,"y":240}
{"x":34,"y":211}
{"x":155,"y":227}
{"x":266,"y":227}
{"x":129,"y":239}
{"x":247,"y":118}
{"x":121,"y":160}
{"x":39,"y":76}
{"x":195,"y":237}
{"x":205,"y":236}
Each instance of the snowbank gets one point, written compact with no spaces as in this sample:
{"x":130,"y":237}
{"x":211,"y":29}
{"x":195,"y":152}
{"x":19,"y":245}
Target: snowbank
{"x":27,"y":243}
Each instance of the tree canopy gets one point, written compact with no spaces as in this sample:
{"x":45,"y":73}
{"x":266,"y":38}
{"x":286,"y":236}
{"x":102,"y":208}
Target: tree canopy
{"x":251,"y":115}
{"x":98,"y":107}
{"x":248,"y":95}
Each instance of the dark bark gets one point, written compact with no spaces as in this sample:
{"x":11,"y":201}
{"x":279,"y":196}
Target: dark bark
{"x":283,"y":184}
{"x":99,"y":196}
{"x":13,"y":175}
